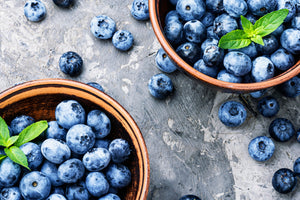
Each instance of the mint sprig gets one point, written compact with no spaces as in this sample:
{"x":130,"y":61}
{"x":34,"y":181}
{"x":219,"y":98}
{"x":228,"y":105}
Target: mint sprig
{"x":13,"y":143}
{"x":264,"y":26}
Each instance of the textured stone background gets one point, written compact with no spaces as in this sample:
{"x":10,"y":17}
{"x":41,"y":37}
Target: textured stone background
{"x":190,"y":150}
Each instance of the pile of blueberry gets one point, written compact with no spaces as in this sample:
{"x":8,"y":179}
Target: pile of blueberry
{"x":73,"y":160}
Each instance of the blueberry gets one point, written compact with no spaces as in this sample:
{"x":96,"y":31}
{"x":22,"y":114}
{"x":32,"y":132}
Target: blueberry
{"x":282,"y":59}
{"x":11,"y":193}
{"x":71,"y":63}
{"x":213,"y":55}
{"x":261,"y":148}
{"x":189,"y":197}
{"x":163,"y":62}
{"x":19,"y":123}
{"x":261,"y":7}
{"x":250,"y":50}
{"x":35,"y":185}
{"x":290,"y":40}
{"x":237,"y":63}
{"x":55,"y":151}
{"x":296,"y":21}
{"x":96,"y":159}
{"x":287,"y":4}
{"x":208,"y":19}
{"x":55,"y":131}
{"x":122,"y":40}
{"x":9,"y":172}
{"x":56,"y":197}
{"x":277,"y":33}
{"x":50,"y":170}
{"x":224,"y":24}
{"x":215,"y":6}
{"x":173,"y":2}
{"x":119,"y":150}
{"x":71,"y":171}
{"x":210,"y":32}
{"x":223,"y":75}
{"x":296,"y":167}
{"x":257,"y":94}
{"x":190,"y":9}
{"x":69,"y":113}
{"x":58,"y":190}
{"x":298,"y":135}
{"x":64,"y":3}
{"x":103,"y":27}
{"x":284,"y":180}
{"x":262,"y":69}
{"x":102,"y":143}
{"x":80,"y":138}
{"x":290,"y":88}
{"x":33,"y":154}
{"x":96,"y":184}
{"x":35,"y":10}
{"x":208,"y":42}
{"x":140,"y":10}
{"x":189,"y":52}
{"x":172,"y":16}
{"x":77,"y":191}
{"x":270,"y":45}
{"x":118,"y":175}
{"x":174,"y":31}
{"x":194,"y":31}
{"x":211,"y":71}
{"x":232,"y":113}
{"x":235,"y":8}
{"x":96,"y":85}
{"x":160,"y":86}
{"x":297,"y":2}
{"x":99,"y":122}
{"x":281,"y":129}
{"x":268,"y":106}
{"x":110,"y":196}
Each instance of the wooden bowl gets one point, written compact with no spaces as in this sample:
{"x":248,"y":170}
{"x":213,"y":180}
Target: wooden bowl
{"x":39,"y":98}
{"x":158,"y":10}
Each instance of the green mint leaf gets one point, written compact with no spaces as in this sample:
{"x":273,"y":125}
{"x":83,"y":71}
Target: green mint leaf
{"x":4,"y":132}
{"x":2,"y":156}
{"x":247,"y":26}
{"x":270,"y":22}
{"x":258,"y":39}
{"x":11,"y":140}
{"x":31,"y":132}
{"x":17,"y":156}
{"x":234,"y":40}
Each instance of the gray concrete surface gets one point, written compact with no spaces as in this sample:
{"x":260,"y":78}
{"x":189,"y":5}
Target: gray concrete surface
{"x":190,"y":151}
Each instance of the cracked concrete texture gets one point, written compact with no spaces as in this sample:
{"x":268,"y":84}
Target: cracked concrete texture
{"x":190,"y":151}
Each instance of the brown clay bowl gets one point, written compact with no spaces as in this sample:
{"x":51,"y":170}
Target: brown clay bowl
{"x":158,"y":10}
{"x":40,"y":97}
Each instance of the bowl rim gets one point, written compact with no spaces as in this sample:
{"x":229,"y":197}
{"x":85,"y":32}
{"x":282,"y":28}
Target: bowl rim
{"x":232,"y":87}
{"x":17,"y":89}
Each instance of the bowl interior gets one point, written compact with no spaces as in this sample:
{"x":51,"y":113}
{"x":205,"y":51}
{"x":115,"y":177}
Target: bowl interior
{"x":158,"y":10}
{"x":40,"y":98}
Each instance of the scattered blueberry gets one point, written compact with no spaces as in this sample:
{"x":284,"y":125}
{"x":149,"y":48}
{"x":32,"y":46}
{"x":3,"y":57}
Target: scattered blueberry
{"x":257,"y":94}
{"x":96,"y":184}
{"x":19,"y":123}
{"x":261,"y":148}
{"x":122,"y":40}
{"x":35,"y":10}
{"x":11,"y":193}
{"x":9,"y":172}
{"x":284,"y":180}
{"x":119,"y":150}
{"x":55,"y":131}
{"x":268,"y":106}
{"x":118,"y":175}
{"x":232,"y":113}
{"x":190,"y":9}
{"x":33,"y":154}
{"x":96,"y":159}
{"x":296,"y":167}
{"x":64,"y":3}
{"x":55,"y":151}
{"x":139,"y":9}
{"x":160,"y":86}
{"x":71,"y":63}
{"x":35,"y":185}
{"x":290,"y":88}
{"x":50,"y":170}
{"x":103,"y":27}
{"x":71,"y":171}
{"x":237,"y":63}
{"x":96,"y":85}
{"x":281,"y":129}
{"x":189,"y":197}
{"x":99,"y":122}
{"x":163,"y":62}
{"x":298,"y":135}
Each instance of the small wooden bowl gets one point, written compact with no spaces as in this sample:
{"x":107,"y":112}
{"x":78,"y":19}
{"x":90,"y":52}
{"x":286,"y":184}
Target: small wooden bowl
{"x":158,"y":10}
{"x":39,"y":98}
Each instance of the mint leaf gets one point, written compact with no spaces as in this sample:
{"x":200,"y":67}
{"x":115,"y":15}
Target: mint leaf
{"x":31,"y":132}
{"x":17,"y":156}
{"x":247,"y":26}
{"x":258,"y":39}
{"x":234,"y":40}
{"x":11,"y":140}
{"x":4,"y":132}
{"x":2,"y":156}
{"x":270,"y":22}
